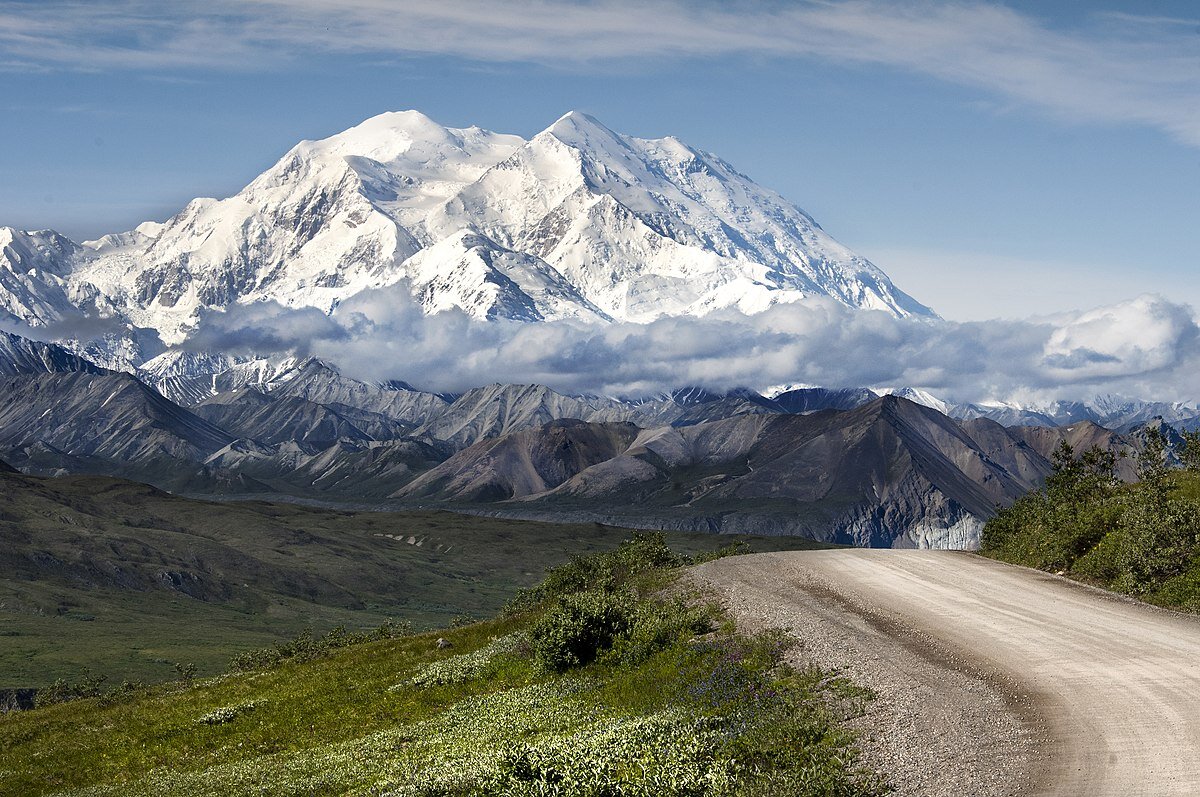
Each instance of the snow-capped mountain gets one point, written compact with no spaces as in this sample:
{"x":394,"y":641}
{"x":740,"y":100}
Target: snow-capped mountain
{"x":578,"y":223}
{"x":31,"y":288}
{"x":917,"y":396}
{"x":647,"y":228}
{"x":1107,"y":410}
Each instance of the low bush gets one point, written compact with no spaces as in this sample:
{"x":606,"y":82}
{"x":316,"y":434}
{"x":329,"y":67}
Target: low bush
{"x":645,"y":552}
{"x":88,"y":686}
{"x":578,"y":627}
{"x":220,"y":716}
{"x":660,"y":623}
{"x":466,"y":667}
{"x":63,"y":691}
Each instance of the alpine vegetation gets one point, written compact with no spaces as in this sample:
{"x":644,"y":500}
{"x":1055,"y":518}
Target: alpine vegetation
{"x":607,"y":678}
{"x":1142,"y":539}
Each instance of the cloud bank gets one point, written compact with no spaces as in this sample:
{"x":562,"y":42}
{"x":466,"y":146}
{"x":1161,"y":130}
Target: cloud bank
{"x":1115,"y":68}
{"x":1147,"y":347}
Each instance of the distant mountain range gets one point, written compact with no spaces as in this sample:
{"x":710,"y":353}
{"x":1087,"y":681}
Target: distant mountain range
{"x":578,"y":223}
{"x":838,"y":465}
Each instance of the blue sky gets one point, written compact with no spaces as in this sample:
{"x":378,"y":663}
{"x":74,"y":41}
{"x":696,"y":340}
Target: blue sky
{"x":996,"y":160}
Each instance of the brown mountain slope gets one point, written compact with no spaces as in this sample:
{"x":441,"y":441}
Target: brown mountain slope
{"x":889,"y":473}
{"x":523,"y":463}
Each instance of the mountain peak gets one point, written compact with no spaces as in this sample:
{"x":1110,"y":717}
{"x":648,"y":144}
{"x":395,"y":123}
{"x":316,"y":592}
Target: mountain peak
{"x":574,"y":118}
{"x":582,"y":130}
{"x":411,"y":143}
{"x":382,"y":137}
{"x":411,"y":123}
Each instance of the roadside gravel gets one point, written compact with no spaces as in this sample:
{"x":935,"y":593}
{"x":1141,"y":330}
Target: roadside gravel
{"x":939,"y":725}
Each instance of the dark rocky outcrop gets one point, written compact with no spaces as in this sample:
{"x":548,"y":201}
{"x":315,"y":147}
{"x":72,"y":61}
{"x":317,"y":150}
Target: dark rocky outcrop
{"x":17,"y":699}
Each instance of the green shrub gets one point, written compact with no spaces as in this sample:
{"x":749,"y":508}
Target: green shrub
{"x":646,"y":551}
{"x":1141,"y":539}
{"x":657,"y":624}
{"x":63,"y":691}
{"x":1157,"y":541}
{"x":578,"y":627}
{"x":735,"y":548}
{"x":1189,"y":455}
{"x":1100,"y":563}
{"x":88,"y":686}
{"x":1053,"y":527}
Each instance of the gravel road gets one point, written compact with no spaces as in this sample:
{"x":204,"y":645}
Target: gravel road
{"x":992,"y":679}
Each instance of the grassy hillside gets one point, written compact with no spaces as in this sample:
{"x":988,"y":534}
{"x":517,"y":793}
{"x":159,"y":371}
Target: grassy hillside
{"x":601,"y":681}
{"x":127,"y":581}
{"x":1142,"y":539}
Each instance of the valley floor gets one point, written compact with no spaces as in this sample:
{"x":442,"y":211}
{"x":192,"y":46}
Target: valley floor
{"x":106,"y":577}
{"x":993,"y":679}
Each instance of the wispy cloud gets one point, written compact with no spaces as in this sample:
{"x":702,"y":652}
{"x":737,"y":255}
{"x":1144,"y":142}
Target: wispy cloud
{"x":1116,"y":68}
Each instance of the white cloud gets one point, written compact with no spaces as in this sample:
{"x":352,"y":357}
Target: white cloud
{"x":264,"y":327}
{"x":1119,"y":68}
{"x":1144,"y":335}
{"x":1146,"y":347}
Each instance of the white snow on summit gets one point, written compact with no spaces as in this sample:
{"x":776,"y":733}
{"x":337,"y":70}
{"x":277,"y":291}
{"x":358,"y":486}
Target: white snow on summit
{"x":579,"y":223}
{"x":917,"y":396}
{"x":647,"y":228}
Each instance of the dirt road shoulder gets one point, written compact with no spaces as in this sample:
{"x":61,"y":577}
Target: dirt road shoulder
{"x":941,"y":724}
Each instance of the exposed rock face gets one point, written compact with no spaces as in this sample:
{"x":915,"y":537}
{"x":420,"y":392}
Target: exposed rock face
{"x":271,"y":419}
{"x":815,"y":399}
{"x":20,"y":355}
{"x":17,"y":699}
{"x":345,"y":469}
{"x":112,"y":416}
{"x":501,"y":409}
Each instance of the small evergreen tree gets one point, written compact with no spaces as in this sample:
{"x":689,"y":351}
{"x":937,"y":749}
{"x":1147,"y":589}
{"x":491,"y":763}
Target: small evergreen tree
{"x":1081,"y":479}
{"x":1152,"y":461}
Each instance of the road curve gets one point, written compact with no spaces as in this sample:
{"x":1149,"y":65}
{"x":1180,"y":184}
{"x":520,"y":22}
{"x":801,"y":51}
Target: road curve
{"x":1107,"y":689}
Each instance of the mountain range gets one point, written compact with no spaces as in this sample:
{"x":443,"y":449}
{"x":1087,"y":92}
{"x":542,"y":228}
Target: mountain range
{"x":578,"y":223}
{"x":844,"y":466}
